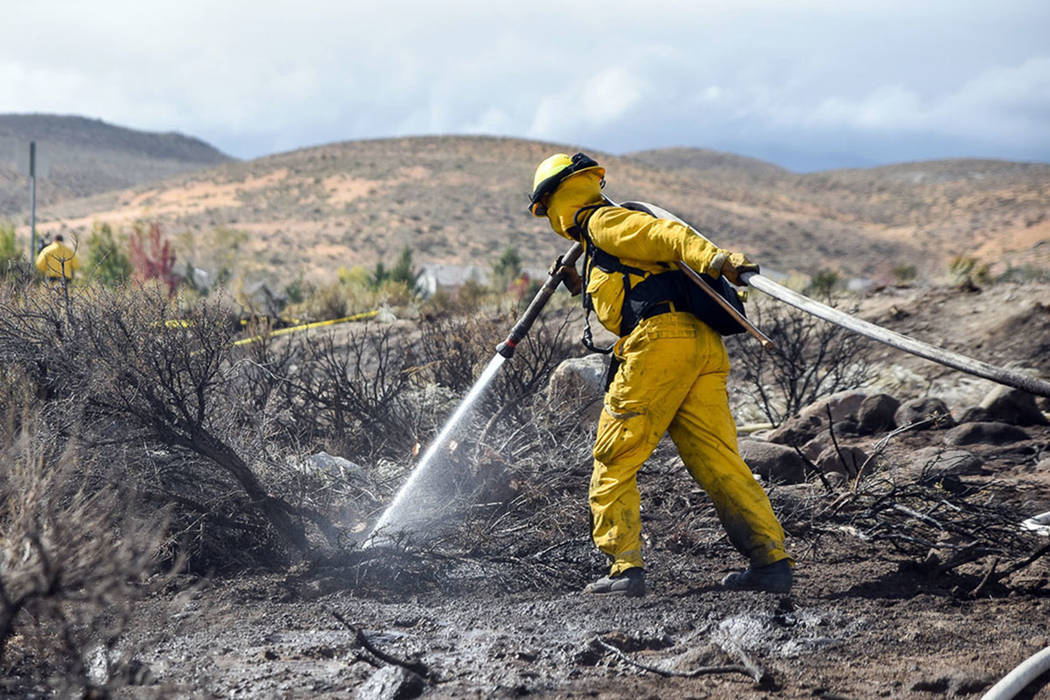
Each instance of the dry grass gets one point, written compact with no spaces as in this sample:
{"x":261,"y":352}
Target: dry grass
{"x":461,"y":200}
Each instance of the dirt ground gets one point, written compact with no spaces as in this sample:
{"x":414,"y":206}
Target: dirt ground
{"x":865,"y":619}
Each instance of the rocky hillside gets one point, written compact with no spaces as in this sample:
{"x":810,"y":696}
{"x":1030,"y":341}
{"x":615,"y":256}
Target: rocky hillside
{"x":78,"y":157}
{"x":462,"y":200}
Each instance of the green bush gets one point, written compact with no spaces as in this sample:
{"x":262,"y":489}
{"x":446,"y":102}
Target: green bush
{"x":108,"y":259}
{"x":905,"y":274}
{"x":824,"y":283}
{"x":968,"y":273}
{"x":8,"y":245}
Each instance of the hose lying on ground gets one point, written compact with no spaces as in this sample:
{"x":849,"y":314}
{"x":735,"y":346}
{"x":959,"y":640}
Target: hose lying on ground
{"x":1018,"y":679}
{"x":1039,"y":524}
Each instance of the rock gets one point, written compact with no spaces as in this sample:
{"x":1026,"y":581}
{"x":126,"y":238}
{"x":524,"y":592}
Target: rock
{"x":138,"y":673}
{"x":921,"y":409}
{"x":846,"y":427}
{"x":578,"y":381}
{"x":333,"y":467}
{"x":391,"y":683}
{"x":1009,"y":405}
{"x":797,"y":430}
{"x":814,"y":447}
{"x":876,"y":414}
{"x":974,"y":414}
{"x":777,"y":463}
{"x":844,"y":405}
{"x":941,"y":462}
{"x":985,"y":433}
{"x":811,"y":420}
{"x":854,"y":458}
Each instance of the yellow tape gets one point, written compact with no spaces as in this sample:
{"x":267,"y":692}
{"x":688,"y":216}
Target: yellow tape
{"x":308,"y":326}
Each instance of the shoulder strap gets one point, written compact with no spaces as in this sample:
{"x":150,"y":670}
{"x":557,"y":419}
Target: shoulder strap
{"x":590,"y":252}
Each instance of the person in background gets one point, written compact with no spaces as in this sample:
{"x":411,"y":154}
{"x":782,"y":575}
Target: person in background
{"x":57,"y":261}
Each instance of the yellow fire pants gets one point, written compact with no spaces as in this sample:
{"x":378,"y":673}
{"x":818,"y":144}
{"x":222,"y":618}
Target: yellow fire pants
{"x":673,"y":378}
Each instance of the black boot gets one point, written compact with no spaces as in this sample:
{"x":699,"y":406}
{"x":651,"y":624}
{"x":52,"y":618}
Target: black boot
{"x":773,"y":578}
{"x":630,"y":583}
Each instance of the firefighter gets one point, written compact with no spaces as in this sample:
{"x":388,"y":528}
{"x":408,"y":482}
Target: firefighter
{"x":57,"y":261}
{"x":671,"y":377}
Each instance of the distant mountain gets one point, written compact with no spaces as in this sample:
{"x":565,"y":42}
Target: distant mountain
{"x":81,"y":157}
{"x":708,"y":161}
{"x":462,"y":200}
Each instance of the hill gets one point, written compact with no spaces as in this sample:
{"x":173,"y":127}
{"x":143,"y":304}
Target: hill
{"x":462,"y":200}
{"x":81,"y":157}
{"x":709,"y":161}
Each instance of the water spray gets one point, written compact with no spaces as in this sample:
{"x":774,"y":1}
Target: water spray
{"x":387,"y":527}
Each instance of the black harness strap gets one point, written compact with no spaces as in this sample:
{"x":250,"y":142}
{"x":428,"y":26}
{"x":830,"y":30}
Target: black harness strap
{"x":656,"y":293}
{"x":579,"y":231}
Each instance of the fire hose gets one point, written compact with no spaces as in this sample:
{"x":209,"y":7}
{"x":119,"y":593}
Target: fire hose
{"x":948,"y":358}
{"x":902,"y":342}
{"x":1019,"y":678}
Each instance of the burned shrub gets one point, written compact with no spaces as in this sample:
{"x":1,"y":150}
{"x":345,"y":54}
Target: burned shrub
{"x":811,"y":358}
{"x":358,"y":394}
{"x":160,"y":397}
{"x":73,"y":559}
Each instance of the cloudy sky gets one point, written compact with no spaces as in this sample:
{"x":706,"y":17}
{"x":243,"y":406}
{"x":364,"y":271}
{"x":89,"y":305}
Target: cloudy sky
{"x":808,"y":84}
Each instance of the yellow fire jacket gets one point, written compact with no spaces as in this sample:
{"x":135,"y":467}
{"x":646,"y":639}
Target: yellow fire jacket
{"x":638,"y":239}
{"x":57,"y":260}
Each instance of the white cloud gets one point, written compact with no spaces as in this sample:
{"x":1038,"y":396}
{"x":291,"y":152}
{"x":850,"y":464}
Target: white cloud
{"x":1013,"y":101}
{"x":257,"y":76}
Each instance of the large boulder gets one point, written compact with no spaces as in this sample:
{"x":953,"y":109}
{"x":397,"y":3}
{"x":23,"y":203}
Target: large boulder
{"x":922,"y":409}
{"x":816,"y":446}
{"x":798,"y":430}
{"x":844,"y":406}
{"x":813,"y":419}
{"x":777,"y":463}
{"x":876,"y":414}
{"x":973,"y":414}
{"x":579,"y":381}
{"x":989,"y":433}
{"x":1008,"y":405}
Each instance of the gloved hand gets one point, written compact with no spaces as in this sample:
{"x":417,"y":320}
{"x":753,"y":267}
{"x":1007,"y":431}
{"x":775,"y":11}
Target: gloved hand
{"x":735,"y":265}
{"x":571,"y":278}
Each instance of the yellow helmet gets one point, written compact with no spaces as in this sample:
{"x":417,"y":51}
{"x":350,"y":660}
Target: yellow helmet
{"x":552,"y":172}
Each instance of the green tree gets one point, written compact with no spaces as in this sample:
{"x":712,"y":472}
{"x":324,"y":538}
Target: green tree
{"x":506,"y":269}
{"x":108,"y":259}
{"x":404,"y":271}
{"x":379,"y":275}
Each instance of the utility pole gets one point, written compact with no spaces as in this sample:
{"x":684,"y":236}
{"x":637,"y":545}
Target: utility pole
{"x":32,"y":201}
